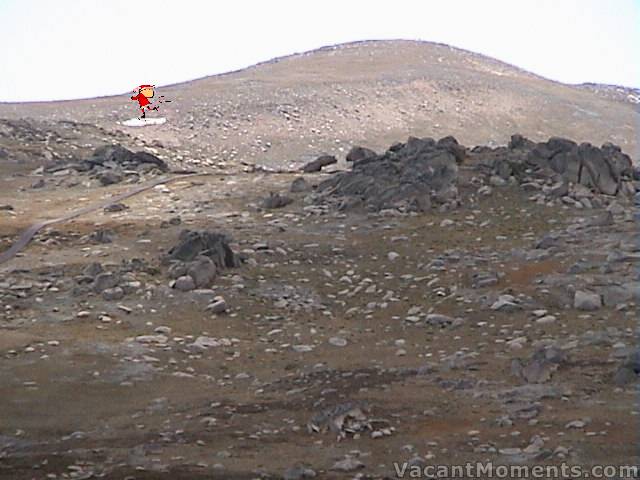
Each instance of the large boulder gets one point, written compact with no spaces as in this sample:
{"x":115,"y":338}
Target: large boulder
{"x":193,"y":244}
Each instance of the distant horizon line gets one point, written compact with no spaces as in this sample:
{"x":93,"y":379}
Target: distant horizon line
{"x":326,"y":47}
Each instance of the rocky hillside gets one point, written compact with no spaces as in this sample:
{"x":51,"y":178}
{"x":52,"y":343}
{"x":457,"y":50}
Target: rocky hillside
{"x":367,"y":93}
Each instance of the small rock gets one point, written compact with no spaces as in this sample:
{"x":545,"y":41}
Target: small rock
{"x":104,"y":281}
{"x":184,"y":283}
{"x":576,"y":424}
{"x":587,"y":301}
{"x":298,"y":472}
{"x":218,"y":306}
{"x":393,"y":256}
{"x":497,"y":181}
{"x":338,"y":342}
{"x":349,"y":464}
{"x":109,"y":178}
{"x":152,"y":339}
{"x":546,"y":320}
{"x":113,"y":294}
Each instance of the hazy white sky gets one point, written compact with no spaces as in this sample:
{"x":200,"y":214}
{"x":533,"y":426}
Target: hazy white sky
{"x":63,"y":49}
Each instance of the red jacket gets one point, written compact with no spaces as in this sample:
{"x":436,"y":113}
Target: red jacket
{"x":142,"y":100}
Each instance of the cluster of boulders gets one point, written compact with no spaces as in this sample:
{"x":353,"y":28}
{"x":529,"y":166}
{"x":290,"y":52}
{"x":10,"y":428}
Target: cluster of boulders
{"x":111,"y":164}
{"x":411,"y":176}
{"x":197,"y":258}
{"x":422,"y":173}
{"x":561,"y":169}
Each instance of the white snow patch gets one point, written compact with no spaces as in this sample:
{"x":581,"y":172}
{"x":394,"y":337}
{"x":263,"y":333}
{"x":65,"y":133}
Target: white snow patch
{"x":143,"y":122}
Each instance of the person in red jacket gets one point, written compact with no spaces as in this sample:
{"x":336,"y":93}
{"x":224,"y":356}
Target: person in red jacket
{"x":145,"y":92}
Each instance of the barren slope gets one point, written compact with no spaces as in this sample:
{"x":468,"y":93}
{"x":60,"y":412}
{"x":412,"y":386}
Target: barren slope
{"x":370,"y":93}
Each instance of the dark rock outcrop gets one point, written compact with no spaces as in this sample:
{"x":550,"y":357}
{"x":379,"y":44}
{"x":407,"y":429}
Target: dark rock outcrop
{"x":413,"y":175}
{"x":601,"y":169}
{"x":117,"y":156}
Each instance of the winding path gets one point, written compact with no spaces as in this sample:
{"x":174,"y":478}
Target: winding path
{"x":27,"y":235}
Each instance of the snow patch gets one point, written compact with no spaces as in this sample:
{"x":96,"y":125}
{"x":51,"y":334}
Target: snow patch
{"x":143,"y":122}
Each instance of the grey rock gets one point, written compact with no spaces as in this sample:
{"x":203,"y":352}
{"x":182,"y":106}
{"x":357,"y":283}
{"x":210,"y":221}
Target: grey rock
{"x":113,"y":294}
{"x":275,"y":200}
{"x":613,"y":295}
{"x":603,"y":219}
{"x":213,"y":245}
{"x":587,"y":301}
{"x":116,"y":207}
{"x":439,"y":320}
{"x":184,"y":283}
{"x":202,"y":270}
{"x":506,"y":303}
{"x":348,"y":464}
{"x":298,"y":472}
{"x":109,"y":178}
{"x":218,"y":306}
{"x":320,"y":162}
{"x":106,"y":280}
{"x":359,"y":154}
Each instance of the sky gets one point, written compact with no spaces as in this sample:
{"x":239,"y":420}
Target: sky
{"x":67,"y":49}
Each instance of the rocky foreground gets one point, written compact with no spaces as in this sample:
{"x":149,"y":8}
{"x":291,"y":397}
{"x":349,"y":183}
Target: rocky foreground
{"x":432,"y":304}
